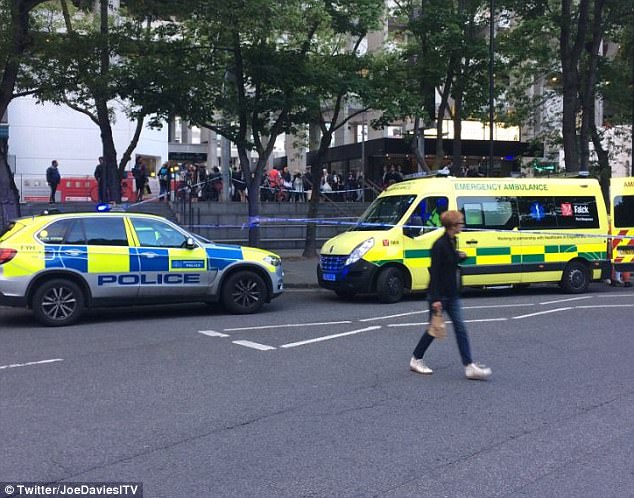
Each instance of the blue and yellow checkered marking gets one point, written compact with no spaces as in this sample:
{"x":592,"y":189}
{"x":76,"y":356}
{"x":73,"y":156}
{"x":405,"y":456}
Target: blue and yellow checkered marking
{"x":139,"y":262}
{"x":61,"y":256}
{"x":219,"y":257}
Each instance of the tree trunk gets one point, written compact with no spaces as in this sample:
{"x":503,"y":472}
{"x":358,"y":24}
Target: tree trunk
{"x":456,"y":167}
{"x":20,"y":41}
{"x":442,"y":109}
{"x":112,"y":179}
{"x":310,"y":245}
{"x":571,"y":44}
{"x":253,"y":188}
{"x":9,"y":195}
{"x":127,"y":155}
{"x":417,"y":150}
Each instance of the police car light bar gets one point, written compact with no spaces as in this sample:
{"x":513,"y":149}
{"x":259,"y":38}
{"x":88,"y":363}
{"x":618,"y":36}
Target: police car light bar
{"x":103,"y":207}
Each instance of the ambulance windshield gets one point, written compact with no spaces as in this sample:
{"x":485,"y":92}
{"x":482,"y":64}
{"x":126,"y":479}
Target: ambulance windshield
{"x":384,"y":213}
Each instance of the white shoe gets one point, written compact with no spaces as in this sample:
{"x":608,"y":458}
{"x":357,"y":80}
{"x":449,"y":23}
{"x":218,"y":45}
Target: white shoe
{"x":419,"y":367}
{"x":477,"y":372}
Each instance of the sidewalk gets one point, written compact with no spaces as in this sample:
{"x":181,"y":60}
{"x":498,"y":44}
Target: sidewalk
{"x":299,"y":272}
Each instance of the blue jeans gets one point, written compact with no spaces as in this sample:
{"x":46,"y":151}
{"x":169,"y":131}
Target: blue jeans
{"x":453,"y":308}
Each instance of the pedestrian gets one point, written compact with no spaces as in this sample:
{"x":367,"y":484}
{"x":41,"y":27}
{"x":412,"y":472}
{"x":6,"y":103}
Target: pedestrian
{"x":139,"y":171}
{"x":164,"y":182}
{"x":53,"y":178}
{"x":443,"y":295}
{"x":298,"y":188}
{"x":216,"y":184}
{"x":100,"y":176}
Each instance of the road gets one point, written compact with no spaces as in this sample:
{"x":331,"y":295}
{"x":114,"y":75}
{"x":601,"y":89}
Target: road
{"x":313,"y":398}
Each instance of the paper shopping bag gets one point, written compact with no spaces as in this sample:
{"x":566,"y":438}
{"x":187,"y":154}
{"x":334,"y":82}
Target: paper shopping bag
{"x":437,"y":327}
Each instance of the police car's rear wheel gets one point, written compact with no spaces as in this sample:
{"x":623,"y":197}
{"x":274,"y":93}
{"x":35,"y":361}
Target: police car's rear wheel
{"x":576,"y":278}
{"x":58,"y":302}
{"x":244,"y":292}
{"x":390,"y":285}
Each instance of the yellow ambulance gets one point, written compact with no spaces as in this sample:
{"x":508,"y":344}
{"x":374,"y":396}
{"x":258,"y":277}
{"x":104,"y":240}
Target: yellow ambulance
{"x":517,"y":231}
{"x":622,"y":209}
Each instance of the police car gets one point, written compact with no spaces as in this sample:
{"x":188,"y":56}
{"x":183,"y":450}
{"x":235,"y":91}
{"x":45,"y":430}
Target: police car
{"x":60,"y":264}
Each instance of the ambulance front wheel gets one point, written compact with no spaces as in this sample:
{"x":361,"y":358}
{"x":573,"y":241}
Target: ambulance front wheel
{"x":244,"y":292}
{"x":576,"y":278}
{"x":390,"y":285}
{"x":58,"y":302}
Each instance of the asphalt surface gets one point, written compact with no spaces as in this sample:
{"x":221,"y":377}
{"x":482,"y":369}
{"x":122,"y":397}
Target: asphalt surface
{"x":313,"y":397}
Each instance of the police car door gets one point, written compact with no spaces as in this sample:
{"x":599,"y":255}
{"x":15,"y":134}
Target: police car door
{"x":167,"y":267}
{"x":110,"y":268}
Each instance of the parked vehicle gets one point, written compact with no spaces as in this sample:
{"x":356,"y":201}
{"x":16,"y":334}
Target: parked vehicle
{"x":60,"y":264}
{"x":517,"y":231}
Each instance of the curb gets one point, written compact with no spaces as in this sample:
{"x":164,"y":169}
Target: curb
{"x":300,"y":286}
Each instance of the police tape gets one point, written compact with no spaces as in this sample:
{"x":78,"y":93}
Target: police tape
{"x":258,"y":221}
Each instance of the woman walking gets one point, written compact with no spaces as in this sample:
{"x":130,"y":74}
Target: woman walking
{"x":444,"y":295}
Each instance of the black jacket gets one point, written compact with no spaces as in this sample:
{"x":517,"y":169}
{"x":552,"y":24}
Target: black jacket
{"x":52,"y":176}
{"x":444,"y":269}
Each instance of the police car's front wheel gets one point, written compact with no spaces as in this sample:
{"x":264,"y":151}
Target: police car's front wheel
{"x":244,"y":292}
{"x":58,"y":302}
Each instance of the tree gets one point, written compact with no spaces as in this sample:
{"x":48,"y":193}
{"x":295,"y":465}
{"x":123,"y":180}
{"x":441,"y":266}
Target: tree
{"x":341,"y":76}
{"x":90,"y":63}
{"x":563,"y":40}
{"x":15,"y":41}
{"x":250,"y":73}
{"x":444,"y":53}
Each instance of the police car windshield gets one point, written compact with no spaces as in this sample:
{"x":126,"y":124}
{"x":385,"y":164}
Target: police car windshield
{"x":384,"y":213}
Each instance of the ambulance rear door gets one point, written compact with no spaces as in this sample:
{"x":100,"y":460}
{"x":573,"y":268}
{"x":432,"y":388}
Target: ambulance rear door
{"x":622,"y":210}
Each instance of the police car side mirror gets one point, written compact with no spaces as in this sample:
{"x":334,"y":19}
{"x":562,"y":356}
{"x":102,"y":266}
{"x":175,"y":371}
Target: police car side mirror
{"x":189,"y":243}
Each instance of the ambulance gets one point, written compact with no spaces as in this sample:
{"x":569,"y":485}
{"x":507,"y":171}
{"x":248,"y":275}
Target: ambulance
{"x":58,"y":264}
{"x":622,"y":211}
{"x":517,"y":232}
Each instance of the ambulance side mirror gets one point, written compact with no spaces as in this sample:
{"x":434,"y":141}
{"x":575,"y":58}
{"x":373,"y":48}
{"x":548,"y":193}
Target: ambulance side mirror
{"x":413,"y":227}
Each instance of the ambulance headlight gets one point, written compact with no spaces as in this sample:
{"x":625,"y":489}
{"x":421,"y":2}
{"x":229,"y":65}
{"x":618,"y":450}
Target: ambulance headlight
{"x":359,"y":251}
{"x":272,"y":260}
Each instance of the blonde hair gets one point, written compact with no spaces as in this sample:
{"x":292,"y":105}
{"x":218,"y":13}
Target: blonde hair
{"x":450,"y":218}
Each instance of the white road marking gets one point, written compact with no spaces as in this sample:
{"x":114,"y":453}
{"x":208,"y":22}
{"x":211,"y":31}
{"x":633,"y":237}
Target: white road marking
{"x":610,"y":296}
{"x":447,"y":322}
{"x":498,"y":306}
{"x":387,"y":317}
{"x":212,"y":333}
{"x":328,"y":337}
{"x":566,"y":300}
{"x":16,"y":365}
{"x":254,"y":345}
{"x":587,"y":306}
{"x":285,"y":325}
{"x":542,"y":313}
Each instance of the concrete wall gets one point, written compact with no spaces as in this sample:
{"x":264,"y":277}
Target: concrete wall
{"x":40,"y":133}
